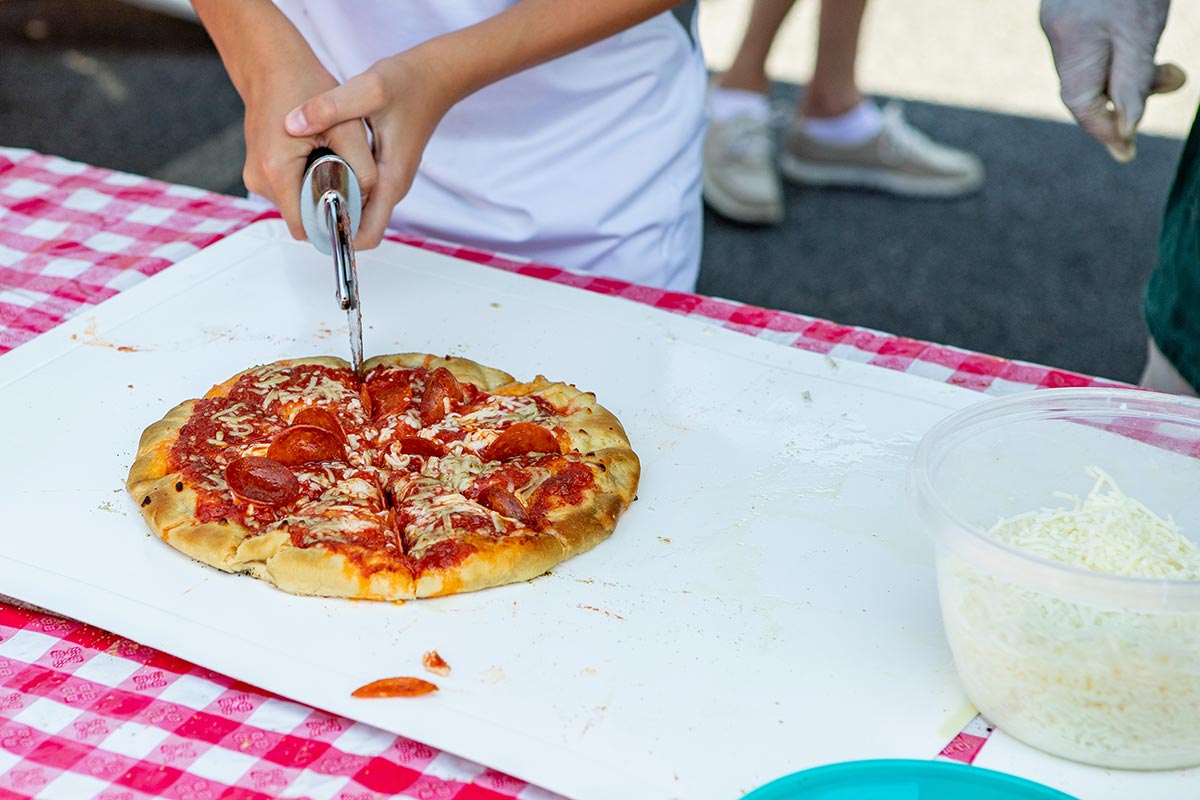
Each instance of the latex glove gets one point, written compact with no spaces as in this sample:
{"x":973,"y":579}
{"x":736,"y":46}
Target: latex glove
{"x":401,"y":99}
{"x":1104,"y":53}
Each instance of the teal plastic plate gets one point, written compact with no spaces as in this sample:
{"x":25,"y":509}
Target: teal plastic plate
{"x":898,"y":779}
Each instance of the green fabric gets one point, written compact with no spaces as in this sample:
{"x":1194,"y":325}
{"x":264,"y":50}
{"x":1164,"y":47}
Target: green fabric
{"x":1173,"y":294}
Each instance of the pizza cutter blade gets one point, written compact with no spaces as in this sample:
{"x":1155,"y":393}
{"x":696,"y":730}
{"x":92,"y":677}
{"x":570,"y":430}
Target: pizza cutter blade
{"x":330,"y":209}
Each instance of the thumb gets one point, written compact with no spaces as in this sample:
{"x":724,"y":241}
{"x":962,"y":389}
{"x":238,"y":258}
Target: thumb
{"x":359,"y":97}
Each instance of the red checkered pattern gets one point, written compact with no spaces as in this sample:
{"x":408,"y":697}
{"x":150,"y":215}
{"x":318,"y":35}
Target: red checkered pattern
{"x":966,"y":746}
{"x":996,"y":376}
{"x":84,"y":713}
{"x":72,"y":235}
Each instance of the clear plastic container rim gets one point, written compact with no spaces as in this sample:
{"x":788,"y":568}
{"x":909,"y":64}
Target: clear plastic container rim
{"x":949,"y":530}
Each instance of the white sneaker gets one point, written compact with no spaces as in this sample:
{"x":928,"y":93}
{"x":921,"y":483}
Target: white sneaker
{"x":739,"y":177}
{"x":899,"y":159}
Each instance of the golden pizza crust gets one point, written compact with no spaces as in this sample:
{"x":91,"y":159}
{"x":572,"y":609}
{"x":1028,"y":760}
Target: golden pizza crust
{"x":168,"y":504}
{"x":464,"y":369}
{"x":518,"y":557}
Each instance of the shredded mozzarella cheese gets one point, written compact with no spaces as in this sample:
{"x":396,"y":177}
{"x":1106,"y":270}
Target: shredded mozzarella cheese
{"x":1100,"y":685}
{"x":1106,"y":532}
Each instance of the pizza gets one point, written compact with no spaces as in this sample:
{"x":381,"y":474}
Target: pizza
{"x":429,"y":476}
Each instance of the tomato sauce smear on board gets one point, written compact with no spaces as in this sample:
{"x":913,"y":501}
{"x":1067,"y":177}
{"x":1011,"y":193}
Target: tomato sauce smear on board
{"x":400,"y":686}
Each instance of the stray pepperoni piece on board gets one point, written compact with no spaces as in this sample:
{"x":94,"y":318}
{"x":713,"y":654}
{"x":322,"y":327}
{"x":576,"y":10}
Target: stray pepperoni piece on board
{"x":503,"y":502}
{"x":320,"y":418}
{"x":435,"y":663}
{"x":519,"y":439}
{"x":262,"y":480}
{"x":420,"y":446}
{"x":302,"y":444}
{"x":442,"y":386}
{"x":395,"y":687}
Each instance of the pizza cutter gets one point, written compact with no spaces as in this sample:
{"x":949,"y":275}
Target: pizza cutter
{"x":330,"y":209}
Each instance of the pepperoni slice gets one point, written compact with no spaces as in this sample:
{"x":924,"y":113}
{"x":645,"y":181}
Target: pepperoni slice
{"x":503,"y":502}
{"x":389,"y":400}
{"x":262,"y":480}
{"x":420,"y":446}
{"x":301,"y":444}
{"x":395,"y":687}
{"x":519,"y":439}
{"x":442,"y":386}
{"x":320,"y":418}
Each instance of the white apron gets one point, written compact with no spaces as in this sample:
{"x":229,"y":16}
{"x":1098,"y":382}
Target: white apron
{"x":589,"y":162}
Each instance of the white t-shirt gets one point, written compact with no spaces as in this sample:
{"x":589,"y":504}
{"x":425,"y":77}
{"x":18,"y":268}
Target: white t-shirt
{"x":589,"y":162}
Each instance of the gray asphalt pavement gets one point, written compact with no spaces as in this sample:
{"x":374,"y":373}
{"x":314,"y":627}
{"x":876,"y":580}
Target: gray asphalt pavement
{"x":1046,"y":264}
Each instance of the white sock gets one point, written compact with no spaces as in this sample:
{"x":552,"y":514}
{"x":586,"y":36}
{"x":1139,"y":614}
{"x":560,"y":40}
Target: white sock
{"x":725,"y":104}
{"x":857,"y":126}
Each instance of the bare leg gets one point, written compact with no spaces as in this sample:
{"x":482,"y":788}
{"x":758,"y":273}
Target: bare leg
{"x":749,"y":68}
{"x":833,"y":89}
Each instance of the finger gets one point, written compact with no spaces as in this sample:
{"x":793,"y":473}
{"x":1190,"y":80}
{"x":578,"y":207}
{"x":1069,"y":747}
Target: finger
{"x":1095,"y":112}
{"x":359,"y":97}
{"x":394,"y":183}
{"x":1099,"y":120}
{"x":284,"y":173}
{"x":287,"y":200}
{"x":1129,"y":81}
{"x":1123,"y":151}
{"x":349,"y":140}
{"x":1166,"y":78}
{"x":1084,"y":76}
{"x":375,"y":217}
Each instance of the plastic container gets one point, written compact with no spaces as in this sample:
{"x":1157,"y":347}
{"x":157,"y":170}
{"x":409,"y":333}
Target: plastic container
{"x":1095,"y":667}
{"x":899,"y":779}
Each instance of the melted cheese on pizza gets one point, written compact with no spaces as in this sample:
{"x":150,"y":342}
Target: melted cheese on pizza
{"x":401,"y":486}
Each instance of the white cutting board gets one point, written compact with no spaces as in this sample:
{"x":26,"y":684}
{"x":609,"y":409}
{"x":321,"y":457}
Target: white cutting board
{"x":1005,"y":754}
{"x":767,"y":605}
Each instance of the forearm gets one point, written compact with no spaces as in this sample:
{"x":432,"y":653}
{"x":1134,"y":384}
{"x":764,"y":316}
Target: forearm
{"x":254,"y":39}
{"x":529,"y":33}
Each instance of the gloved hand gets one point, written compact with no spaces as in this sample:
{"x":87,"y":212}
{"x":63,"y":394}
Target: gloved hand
{"x":1104,"y":53}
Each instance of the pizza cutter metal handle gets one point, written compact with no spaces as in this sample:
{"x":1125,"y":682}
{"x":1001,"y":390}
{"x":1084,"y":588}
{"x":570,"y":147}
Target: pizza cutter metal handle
{"x":330,"y":210}
{"x":328,"y":177}
{"x":343,"y":256}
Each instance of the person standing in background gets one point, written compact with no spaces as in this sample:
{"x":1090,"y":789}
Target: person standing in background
{"x":1104,"y":55}
{"x":837,"y":137}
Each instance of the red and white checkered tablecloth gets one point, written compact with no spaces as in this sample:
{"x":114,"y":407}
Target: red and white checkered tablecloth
{"x":85,"y":713}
